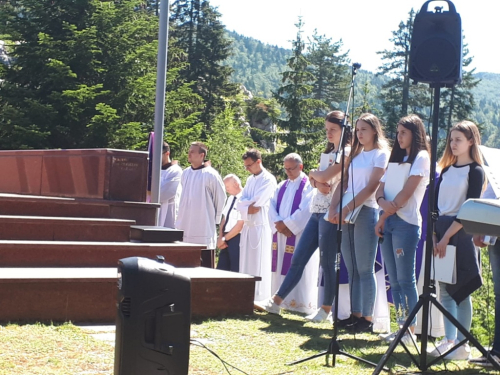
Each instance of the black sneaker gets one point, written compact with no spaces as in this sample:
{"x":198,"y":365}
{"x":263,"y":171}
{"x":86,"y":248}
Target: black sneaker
{"x":343,"y":323}
{"x":361,"y":326}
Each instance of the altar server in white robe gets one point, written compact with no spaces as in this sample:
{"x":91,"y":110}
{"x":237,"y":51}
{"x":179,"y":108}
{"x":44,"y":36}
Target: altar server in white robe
{"x":202,"y":199}
{"x":289,"y":213}
{"x":170,"y":189}
{"x":256,"y":235}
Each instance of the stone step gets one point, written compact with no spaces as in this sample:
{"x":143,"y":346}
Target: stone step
{"x":89,"y":294}
{"x":46,"y":228}
{"x":20,"y":253}
{"x":32,"y":205}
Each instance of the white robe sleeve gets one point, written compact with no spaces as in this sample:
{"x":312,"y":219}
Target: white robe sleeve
{"x":168,"y":188}
{"x":219,"y":196}
{"x":297,"y":222}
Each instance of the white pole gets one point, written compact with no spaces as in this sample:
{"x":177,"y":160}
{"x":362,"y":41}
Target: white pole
{"x":161,"y":76}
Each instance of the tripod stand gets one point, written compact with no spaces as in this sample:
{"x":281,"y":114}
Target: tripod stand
{"x":334,"y":347}
{"x":428,"y":295}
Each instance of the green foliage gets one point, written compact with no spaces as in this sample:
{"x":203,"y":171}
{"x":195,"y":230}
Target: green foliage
{"x":201,"y":35}
{"x":256,"y":65}
{"x":227,"y":142}
{"x":300,"y":130}
{"x":330,"y":70}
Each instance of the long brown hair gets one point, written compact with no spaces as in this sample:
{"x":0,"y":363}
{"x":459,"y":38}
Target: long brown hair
{"x":471,"y":132}
{"x":337,"y":117}
{"x":418,"y":140}
{"x":379,"y":141}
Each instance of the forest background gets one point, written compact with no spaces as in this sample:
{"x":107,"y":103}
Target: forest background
{"x":82,"y":74}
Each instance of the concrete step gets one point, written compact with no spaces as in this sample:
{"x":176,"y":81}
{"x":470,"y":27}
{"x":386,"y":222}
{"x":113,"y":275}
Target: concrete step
{"x":46,"y":228}
{"x":32,"y":205}
{"x":20,"y":253}
{"x":89,"y":294}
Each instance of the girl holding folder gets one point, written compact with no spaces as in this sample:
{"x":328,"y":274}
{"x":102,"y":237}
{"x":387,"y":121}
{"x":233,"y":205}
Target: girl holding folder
{"x":462,"y":178}
{"x":400,"y":195}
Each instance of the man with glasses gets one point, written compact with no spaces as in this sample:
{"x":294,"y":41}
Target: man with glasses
{"x":256,"y":236}
{"x":289,"y":214}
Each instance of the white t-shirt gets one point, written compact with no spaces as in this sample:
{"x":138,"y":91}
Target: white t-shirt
{"x":421,"y":166}
{"x":361,"y":169}
{"x":231,"y":219}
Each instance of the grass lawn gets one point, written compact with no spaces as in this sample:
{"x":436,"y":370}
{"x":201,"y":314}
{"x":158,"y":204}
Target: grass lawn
{"x":259,"y":344}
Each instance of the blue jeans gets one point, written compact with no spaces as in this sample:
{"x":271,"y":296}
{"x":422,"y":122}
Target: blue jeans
{"x":399,"y":252}
{"x":461,"y":312}
{"x":494,"y":253}
{"x":320,"y":232}
{"x":359,"y":249}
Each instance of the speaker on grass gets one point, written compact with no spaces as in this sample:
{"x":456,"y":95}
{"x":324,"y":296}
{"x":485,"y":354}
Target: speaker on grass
{"x":436,"y":45}
{"x":153,"y":319}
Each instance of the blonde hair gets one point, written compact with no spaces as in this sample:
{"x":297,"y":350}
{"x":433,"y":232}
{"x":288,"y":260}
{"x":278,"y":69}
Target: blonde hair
{"x":471,"y":132}
{"x":379,"y":140}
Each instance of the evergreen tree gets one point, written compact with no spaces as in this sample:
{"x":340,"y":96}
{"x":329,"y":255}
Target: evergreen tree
{"x":201,"y":34}
{"x":83,"y":75}
{"x":300,"y":130}
{"x":398,"y":95}
{"x":457,"y":103}
{"x":330,"y":69}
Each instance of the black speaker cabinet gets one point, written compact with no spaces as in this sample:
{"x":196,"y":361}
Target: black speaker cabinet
{"x":153,"y":319}
{"x":436,"y":45}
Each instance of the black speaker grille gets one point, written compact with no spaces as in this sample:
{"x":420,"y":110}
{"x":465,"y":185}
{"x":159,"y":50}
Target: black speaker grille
{"x":126,"y":307}
{"x":436,"y":59}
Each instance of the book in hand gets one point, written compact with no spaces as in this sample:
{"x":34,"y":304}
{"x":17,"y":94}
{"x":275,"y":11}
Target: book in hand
{"x":326,"y":160}
{"x":445,"y":269}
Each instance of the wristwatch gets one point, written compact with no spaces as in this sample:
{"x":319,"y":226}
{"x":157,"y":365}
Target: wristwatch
{"x":223,"y":239}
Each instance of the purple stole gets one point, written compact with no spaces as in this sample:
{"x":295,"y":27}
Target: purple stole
{"x":290,"y":241}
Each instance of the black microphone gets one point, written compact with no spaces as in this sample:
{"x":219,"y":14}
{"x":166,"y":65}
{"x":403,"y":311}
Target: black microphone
{"x":356,"y":66}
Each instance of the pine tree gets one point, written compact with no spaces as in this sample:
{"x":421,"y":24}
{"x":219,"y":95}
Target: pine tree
{"x":300,"y":130}
{"x":201,"y":34}
{"x":398,"y":95}
{"x":330,"y":69}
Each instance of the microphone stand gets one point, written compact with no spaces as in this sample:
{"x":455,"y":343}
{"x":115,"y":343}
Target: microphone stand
{"x":334,"y":347}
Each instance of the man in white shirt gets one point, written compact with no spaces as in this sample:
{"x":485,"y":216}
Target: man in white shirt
{"x":170,"y":189}
{"x":202,"y":199}
{"x":289,"y":213}
{"x":230,"y":227}
{"x":256,"y":236}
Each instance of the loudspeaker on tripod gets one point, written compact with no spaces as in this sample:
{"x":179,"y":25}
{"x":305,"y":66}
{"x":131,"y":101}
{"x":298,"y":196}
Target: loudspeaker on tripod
{"x":436,"y":46}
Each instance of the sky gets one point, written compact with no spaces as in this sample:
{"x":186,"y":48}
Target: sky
{"x":364,"y":26}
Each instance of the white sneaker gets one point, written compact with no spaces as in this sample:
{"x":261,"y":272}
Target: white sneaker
{"x":409,"y":339}
{"x":388,"y":337}
{"x":461,"y":353}
{"x":319,"y":316}
{"x":441,"y":347}
{"x":267,"y":305}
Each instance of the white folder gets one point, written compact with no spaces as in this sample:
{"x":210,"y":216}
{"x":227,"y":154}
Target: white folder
{"x":445,"y":269}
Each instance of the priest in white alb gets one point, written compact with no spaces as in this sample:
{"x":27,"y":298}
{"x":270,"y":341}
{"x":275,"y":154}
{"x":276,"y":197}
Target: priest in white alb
{"x":256,"y":235}
{"x":202,"y":199}
{"x":170,"y":189}
{"x":288,"y":214}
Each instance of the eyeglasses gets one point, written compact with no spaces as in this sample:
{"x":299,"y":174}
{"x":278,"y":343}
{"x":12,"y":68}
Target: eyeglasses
{"x":249,"y":165}
{"x":291,"y":169}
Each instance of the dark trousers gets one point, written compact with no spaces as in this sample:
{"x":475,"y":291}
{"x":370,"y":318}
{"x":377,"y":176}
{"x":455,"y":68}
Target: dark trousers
{"x":229,"y":258}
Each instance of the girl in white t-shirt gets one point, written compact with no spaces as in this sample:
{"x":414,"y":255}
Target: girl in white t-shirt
{"x":400,"y":221}
{"x":368,"y":160}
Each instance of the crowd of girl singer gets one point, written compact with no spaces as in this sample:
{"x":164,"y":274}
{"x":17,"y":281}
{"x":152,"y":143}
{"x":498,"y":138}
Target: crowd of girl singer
{"x":396,"y":224}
